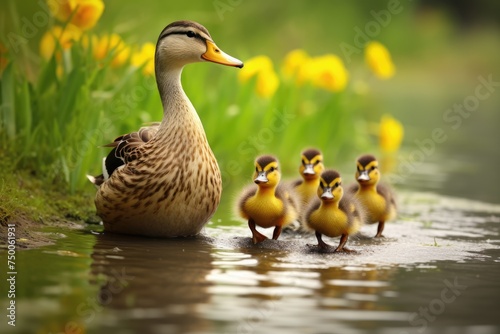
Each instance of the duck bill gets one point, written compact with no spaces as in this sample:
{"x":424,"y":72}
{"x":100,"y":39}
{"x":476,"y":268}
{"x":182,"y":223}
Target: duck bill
{"x":216,"y":55}
{"x":309,"y":170}
{"x":261,"y":178}
{"x":363,"y":176}
{"x":327,"y":194}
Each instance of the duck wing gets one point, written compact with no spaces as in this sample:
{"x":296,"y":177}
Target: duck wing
{"x":285,"y":192}
{"x":313,"y":206}
{"x":248,"y":192}
{"x":125,"y":147}
{"x":125,"y":150}
{"x":354,"y":210}
{"x":385,"y":191}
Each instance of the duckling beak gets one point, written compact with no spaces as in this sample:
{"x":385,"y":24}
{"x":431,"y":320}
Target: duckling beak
{"x":309,"y":170}
{"x":363,"y":176}
{"x":261,"y":178}
{"x":216,"y":55}
{"x":327,"y":193}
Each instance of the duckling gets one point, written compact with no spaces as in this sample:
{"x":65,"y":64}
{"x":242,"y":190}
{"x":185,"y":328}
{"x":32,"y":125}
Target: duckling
{"x":377,"y":199}
{"x":268,"y":204}
{"x":310,"y":170}
{"x":335,"y":213}
{"x":165,"y":181}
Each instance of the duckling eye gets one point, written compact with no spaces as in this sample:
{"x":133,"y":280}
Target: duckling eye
{"x":317,"y":162}
{"x":272,"y":169}
{"x":190,"y":34}
{"x":373,"y":168}
{"x":303,"y":162}
{"x":257,"y":169}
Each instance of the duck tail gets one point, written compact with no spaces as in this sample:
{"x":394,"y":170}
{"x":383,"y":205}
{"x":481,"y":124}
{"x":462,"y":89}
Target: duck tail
{"x":96,"y":180}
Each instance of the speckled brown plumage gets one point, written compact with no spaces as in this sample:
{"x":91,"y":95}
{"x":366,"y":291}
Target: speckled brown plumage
{"x":170,"y":183}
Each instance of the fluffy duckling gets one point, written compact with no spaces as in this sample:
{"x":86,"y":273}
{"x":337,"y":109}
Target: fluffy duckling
{"x":310,"y":169}
{"x":267,"y":204}
{"x":335,"y":213}
{"x":377,"y":199}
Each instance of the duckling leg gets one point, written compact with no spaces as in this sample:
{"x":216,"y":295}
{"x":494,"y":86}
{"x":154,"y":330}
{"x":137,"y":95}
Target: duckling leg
{"x":256,"y":235}
{"x":380,"y":229}
{"x":277,"y":232}
{"x":341,"y":248}
{"x":321,"y":244}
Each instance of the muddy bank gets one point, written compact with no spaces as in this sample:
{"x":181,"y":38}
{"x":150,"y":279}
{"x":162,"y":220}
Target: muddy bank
{"x":29,"y":233}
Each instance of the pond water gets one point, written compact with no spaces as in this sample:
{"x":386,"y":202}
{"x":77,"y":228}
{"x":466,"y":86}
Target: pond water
{"x":436,"y":271}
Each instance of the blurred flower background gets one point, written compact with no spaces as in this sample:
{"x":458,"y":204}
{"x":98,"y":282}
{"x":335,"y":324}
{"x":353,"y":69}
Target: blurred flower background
{"x":347,"y":78}
{"x":83,"y":14}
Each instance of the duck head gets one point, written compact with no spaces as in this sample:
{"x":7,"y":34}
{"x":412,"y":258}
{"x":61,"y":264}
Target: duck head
{"x":184,"y":42}
{"x":330,"y":186}
{"x":312,"y":164}
{"x":266,"y":171}
{"x":367,"y":172}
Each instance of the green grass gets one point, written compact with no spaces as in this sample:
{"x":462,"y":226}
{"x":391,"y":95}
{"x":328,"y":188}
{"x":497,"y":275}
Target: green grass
{"x":25,"y":197}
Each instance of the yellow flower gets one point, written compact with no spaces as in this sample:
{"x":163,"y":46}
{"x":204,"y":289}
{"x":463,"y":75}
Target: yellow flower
{"x":267,"y":79}
{"x":253,"y":66}
{"x":293,"y":62}
{"x":145,"y":56}
{"x":327,"y":72}
{"x":267,"y":83}
{"x":83,"y":13}
{"x":379,"y":60}
{"x":3,"y":59}
{"x":305,"y":72}
{"x":56,"y":38}
{"x":391,"y":134}
{"x":113,"y":44}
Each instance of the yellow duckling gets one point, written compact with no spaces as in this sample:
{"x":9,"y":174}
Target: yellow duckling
{"x":335,"y":214}
{"x":310,"y":169}
{"x":268,"y":204}
{"x":377,"y":199}
{"x":164,"y":181}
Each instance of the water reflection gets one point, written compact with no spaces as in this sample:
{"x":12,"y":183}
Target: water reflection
{"x":227,"y":284}
{"x":153,"y":283}
{"x":356,"y":288}
{"x":222,"y":283}
{"x":272,"y":286}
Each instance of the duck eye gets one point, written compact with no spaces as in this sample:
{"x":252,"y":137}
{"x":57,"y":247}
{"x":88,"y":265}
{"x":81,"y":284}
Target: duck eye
{"x":303,"y":162}
{"x":272,"y":169}
{"x":190,"y":34}
{"x":373,"y":168}
{"x":317,"y":162}
{"x":256,"y":169}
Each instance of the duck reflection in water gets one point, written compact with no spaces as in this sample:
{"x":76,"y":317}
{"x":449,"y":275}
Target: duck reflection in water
{"x":152,"y":282}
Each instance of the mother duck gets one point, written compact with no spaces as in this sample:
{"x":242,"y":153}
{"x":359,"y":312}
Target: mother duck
{"x":163,"y":180}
